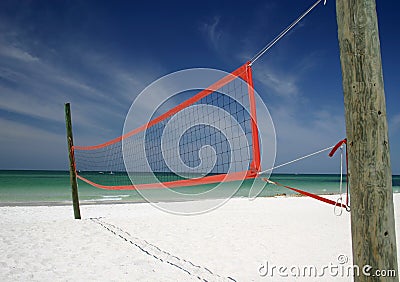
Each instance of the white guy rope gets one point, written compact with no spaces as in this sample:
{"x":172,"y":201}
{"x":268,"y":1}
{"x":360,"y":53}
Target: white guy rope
{"x":283,"y":33}
{"x":298,"y":159}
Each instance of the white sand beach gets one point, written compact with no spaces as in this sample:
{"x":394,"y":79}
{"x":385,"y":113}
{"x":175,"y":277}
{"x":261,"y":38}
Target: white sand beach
{"x":137,"y":242}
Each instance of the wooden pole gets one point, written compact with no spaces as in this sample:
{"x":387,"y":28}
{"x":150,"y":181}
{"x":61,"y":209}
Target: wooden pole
{"x":72,"y":171}
{"x":372,"y":214}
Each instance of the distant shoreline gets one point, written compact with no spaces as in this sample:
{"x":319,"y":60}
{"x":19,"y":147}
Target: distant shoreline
{"x":67,"y":171}
{"x":52,"y":188}
{"x":113,"y":202}
{"x":94,"y":202}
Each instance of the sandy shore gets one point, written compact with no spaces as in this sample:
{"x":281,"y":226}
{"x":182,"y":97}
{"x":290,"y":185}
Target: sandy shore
{"x":137,"y":242}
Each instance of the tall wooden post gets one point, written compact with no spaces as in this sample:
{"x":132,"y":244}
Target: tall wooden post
{"x":72,"y":171}
{"x":372,"y":214}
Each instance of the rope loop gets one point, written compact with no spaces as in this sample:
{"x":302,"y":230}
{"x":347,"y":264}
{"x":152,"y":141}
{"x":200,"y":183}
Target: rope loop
{"x":339,"y":203}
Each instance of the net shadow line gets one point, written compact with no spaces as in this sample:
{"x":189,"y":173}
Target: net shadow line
{"x":200,"y":272}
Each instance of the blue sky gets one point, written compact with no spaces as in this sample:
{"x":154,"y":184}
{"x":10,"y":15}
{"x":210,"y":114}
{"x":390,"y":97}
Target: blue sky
{"x":99,"y":55}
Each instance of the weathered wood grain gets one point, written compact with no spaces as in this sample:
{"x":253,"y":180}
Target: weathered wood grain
{"x":372,"y":215}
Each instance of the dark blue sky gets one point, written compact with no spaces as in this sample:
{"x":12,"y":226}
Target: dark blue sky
{"x":99,"y":55}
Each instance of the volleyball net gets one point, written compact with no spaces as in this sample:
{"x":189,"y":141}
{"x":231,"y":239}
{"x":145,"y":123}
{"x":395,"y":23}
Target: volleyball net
{"x":209,"y":137}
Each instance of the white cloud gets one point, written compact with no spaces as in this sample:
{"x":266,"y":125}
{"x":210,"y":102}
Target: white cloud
{"x":34,"y":88}
{"x":213,"y":32}
{"x":26,"y":147}
{"x":15,"y":130}
{"x":282,"y":83}
{"x":279,"y":81}
{"x":16,"y":53}
{"x":394,"y":124}
{"x":297,"y":137}
{"x":39,"y":88}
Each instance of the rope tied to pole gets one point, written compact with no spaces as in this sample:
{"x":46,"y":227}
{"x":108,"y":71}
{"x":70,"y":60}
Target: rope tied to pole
{"x":339,"y":202}
{"x":340,"y":145}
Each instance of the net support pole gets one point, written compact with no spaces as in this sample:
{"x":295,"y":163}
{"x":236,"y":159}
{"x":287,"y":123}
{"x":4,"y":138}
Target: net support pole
{"x":371,"y":194}
{"x":72,"y":171}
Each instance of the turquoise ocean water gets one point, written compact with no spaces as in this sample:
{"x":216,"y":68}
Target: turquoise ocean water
{"x":52,"y":187}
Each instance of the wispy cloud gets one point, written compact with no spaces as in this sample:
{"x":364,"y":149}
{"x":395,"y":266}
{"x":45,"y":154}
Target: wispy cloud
{"x":213,"y":32}
{"x":16,"y":53}
{"x":36,"y":86}
{"x":282,"y":83}
{"x":279,"y":78}
{"x":39,"y":148}
{"x":298,"y":137}
{"x":302,"y":125}
{"x":394,"y":124}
